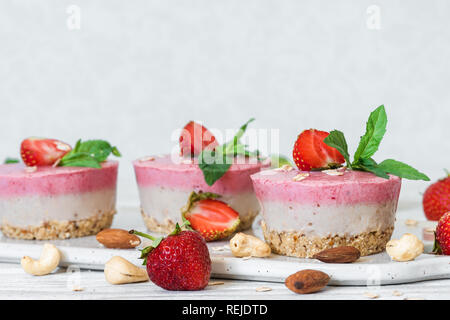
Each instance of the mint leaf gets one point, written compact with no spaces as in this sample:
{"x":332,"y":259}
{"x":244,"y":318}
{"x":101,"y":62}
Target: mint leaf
{"x":232,"y":147}
{"x":336,"y":139}
{"x":116,"y":152}
{"x":11,"y":160}
{"x":242,"y":130}
{"x":80,"y":160}
{"x":89,"y":153}
{"x":371,"y":166}
{"x":402,"y":170}
{"x":375,"y":130}
{"x":99,"y":149}
{"x":214,"y":164}
{"x":255,"y":153}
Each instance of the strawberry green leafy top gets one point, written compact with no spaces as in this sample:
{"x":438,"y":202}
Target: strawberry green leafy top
{"x":368,"y":145}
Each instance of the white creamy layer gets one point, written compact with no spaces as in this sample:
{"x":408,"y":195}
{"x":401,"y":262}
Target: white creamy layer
{"x":323,"y":221}
{"x":164,"y":203}
{"x":34,"y":210}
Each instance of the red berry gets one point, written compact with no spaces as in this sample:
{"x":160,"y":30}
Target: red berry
{"x":310,"y":152}
{"x":42,"y":152}
{"x":436,"y":199}
{"x":180,"y":262}
{"x":195,"y":138}
{"x":443,"y":234}
{"x":214,"y":219}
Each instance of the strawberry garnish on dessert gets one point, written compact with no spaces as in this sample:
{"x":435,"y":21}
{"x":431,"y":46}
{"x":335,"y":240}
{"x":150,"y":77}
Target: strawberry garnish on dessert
{"x":42,"y":152}
{"x":212,"y":218}
{"x":442,"y":241}
{"x":179,"y":261}
{"x":310,"y":152}
{"x":436,"y":199}
{"x":195,"y":138}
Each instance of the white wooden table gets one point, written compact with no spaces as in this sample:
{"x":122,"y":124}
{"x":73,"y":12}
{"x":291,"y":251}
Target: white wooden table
{"x":15,"y":284}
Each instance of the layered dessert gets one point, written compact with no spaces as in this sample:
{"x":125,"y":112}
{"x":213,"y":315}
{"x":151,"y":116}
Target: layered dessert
{"x":165,"y":183}
{"x":73,"y":197}
{"x":324,"y":204}
{"x":302,"y":217}
{"x":202,"y":166}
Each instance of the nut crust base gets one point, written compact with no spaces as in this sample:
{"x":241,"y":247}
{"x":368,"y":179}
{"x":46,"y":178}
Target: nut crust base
{"x":296,"y":244}
{"x":168,"y":225}
{"x":55,"y":229}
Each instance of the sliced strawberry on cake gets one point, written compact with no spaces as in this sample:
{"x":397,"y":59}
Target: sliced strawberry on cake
{"x":213,"y":218}
{"x":195,"y":138}
{"x":42,"y":152}
{"x":310,"y":152}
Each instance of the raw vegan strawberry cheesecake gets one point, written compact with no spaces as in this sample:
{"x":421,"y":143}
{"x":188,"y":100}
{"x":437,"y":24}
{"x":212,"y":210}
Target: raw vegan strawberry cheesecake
{"x":166,"y":182}
{"x":58,"y":192}
{"x":324,"y":205}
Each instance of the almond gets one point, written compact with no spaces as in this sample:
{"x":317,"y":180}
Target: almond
{"x":118,"y":239}
{"x":307,"y":281}
{"x":345,"y":254}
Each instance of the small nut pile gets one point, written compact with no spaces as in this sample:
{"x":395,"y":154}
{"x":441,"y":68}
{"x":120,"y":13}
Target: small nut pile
{"x":244,"y":245}
{"x":407,"y":248}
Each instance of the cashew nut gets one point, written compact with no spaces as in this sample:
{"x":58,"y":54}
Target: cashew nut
{"x":48,"y":261}
{"x":244,"y":245}
{"x":407,"y":248}
{"x":119,"y":271}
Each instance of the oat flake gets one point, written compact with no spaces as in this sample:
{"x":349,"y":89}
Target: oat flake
{"x":215,"y":283}
{"x":147,"y":159}
{"x":411,"y":222}
{"x":333,"y":172}
{"x":371,"y":295}
{"x":300,"y":176}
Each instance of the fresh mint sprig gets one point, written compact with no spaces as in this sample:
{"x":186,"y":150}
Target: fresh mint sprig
{"x":90,"y":153}
{"x":215,"y":163}
{"x":368,"y":145}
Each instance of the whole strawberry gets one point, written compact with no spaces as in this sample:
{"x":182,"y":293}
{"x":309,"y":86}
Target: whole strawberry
{"x":442,"y":242}
{"x":180,"y":261}
{"x":436,"y":199}
{"x":42,"y":152}
{"x":214,"y":219}
{"x":310,"y":152}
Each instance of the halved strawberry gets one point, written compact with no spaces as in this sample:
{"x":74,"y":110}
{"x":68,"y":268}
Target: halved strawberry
{"x":195,"y":138}
{"x":212,"y":218}
{"x":42,"y":152}
{"x":310,"y":152}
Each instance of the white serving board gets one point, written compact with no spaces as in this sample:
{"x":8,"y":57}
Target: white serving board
{"x":378,"y":269}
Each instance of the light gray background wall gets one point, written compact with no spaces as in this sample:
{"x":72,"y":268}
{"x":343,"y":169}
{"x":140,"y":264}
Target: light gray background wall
{"x":137,"y":70}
